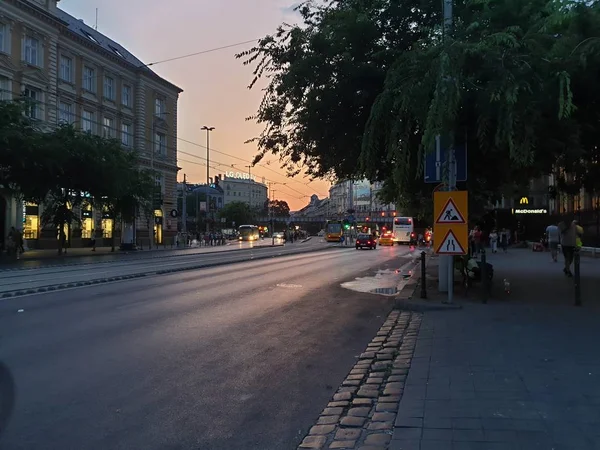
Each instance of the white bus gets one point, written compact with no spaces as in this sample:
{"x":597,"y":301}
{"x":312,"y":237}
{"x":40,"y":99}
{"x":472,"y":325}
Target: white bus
{"x":248,"y":233}
{"x":404,"y":230}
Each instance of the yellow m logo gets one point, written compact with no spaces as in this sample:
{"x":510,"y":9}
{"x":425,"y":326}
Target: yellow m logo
{"x":524,"y":201}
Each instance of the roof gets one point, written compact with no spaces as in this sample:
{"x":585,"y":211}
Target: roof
{"x":80,"y":28}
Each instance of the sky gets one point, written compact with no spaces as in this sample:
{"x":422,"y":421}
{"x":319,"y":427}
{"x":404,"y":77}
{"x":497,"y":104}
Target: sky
{"x":215,"y":83}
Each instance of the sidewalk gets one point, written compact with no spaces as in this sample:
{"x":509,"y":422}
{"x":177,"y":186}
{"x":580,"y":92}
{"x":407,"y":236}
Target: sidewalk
{"x":520,"y":372}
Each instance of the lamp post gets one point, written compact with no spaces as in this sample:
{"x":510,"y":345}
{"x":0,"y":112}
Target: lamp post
{"x":208,"y":130}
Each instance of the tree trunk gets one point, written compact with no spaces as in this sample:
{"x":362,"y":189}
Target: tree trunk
{"x":61,"y":237}
{"x":112,"y":235}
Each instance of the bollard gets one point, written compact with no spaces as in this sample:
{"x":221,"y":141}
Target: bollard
{"x":484,"y":277}
{"x":423,"y":277}
{"x":577,"y":277}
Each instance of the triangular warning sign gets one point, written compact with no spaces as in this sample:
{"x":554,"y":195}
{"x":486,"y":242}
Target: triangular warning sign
{"x":450,"y":245}
{"x":450,"y":214}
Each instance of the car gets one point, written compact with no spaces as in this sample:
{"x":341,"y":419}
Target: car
{"x":387,"y":238}
{"x":366,"y":240}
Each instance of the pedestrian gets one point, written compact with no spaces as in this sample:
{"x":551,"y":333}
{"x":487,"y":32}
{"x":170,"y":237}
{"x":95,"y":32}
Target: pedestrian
{"x":553,"y":239}
{"x":93,"y":240}
{"x":569,"y":234}
{"x":477,"y":238}
{"x":494,"y":241}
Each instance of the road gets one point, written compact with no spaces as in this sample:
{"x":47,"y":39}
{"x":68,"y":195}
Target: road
{"x":240,"y":356}
{"x":23,"y":279}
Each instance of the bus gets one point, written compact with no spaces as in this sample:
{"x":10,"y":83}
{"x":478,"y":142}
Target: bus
{"x":404,"y":230}
{"x":334,"y":231}
{"x":248,"y":233}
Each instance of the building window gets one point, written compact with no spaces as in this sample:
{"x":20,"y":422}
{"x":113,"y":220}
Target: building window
{"x":4,"y":39}
{"x":33,"y":106}
{"x":65,"y":113}
{"x":109,"y":88}
{"x":32,"y":51}
{"x":66,"y":69}
{"x":5,"y":89}
{"x":126,"y":139}
{"x":160,"y":144}
{"x":108,"y":127}
{"x":160,"y":107}
{"x":89,"y":79}
{"x":126,"y":96}
{"x":87,"y":121}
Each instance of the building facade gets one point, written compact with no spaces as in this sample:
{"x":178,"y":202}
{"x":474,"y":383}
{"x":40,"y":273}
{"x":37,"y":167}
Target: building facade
{"x":359,"y":196}
{"x":242,"y":187}
{"x":73,"y":74}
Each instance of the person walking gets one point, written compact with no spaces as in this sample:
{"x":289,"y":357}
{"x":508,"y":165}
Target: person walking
{"x":553,"y":238}
{"x":494,"y":241}
{"x":569,"y":234}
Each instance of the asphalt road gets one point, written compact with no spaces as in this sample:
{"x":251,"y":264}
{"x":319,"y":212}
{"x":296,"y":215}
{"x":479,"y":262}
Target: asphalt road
{"x":243,"y":356}
{"x":24,"y":279}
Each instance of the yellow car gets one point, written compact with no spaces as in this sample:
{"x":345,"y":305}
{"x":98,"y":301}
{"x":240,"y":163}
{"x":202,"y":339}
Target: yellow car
{"x":386,"y":239}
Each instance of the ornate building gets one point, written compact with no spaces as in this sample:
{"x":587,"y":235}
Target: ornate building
{"x":71,"y":73}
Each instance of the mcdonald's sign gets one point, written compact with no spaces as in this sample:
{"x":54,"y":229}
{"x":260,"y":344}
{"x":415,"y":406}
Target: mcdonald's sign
{"x":524,"y":201}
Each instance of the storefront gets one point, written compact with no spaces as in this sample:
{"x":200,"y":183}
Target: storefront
{"x":31,"y":221}
{"x":108,"y":225}
{"x":87,"y":223}
{"x":158,"y":227}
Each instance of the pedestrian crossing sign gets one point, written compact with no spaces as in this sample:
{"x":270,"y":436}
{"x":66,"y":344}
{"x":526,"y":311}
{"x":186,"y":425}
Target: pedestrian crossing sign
{"x":450,"y":245}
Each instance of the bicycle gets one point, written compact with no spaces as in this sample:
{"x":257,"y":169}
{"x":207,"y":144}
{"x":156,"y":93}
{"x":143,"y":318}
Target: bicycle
{"x":7,"y":396}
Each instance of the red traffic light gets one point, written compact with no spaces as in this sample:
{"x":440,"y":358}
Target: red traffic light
{"x":367,"y":219}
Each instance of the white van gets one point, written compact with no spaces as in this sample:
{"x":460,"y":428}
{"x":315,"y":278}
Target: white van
{"x":404,"y":230}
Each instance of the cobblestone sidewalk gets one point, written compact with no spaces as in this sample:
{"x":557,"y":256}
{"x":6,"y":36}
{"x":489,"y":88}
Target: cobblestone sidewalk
{"x":361,"y":414}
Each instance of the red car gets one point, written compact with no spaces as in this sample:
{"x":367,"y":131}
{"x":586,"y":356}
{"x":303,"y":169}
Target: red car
{"x":366,"y":240}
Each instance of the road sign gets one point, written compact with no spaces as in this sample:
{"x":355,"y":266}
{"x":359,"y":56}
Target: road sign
{"x":450,"y":214}
{"x":435,"y":163}
{"x":450,"y":232}
{"x":450,"y":245}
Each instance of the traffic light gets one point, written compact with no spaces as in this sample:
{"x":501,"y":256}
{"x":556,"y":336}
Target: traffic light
{"x":368,"y":219}
{"x":346,"y":225}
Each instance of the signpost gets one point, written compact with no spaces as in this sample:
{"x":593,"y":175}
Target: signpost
{"x":436,"y":161}
{"x":450,"y":230}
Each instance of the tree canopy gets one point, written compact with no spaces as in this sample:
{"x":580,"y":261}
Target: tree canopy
{"x":237,"y":213}
{"x":66,"y":168}
{"x":361,"y":89}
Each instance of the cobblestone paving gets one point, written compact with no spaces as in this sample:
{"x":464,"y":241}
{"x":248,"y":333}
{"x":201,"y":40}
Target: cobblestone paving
{"x":361,"y":413}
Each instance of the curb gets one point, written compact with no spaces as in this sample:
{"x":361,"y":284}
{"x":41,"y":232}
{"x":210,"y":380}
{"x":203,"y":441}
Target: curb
{"x":362,"y":412}
{"x":407,"y":299}
{"x":154,"y":255}
{"x":59,"y":287}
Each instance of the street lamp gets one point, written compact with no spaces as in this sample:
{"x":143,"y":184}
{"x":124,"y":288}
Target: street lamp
{"x":208,"y":130}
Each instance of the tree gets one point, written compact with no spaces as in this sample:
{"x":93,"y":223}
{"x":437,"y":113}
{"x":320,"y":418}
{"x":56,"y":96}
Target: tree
{"x":373,"y":82}
{"x":278,"y":208}
{"x":324,"y":75}
{"x":75,"y":157}
{"x":237,"y":212}
{"x":120,"y":187}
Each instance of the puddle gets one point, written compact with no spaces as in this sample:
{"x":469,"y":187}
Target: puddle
{"x":384,"y":282}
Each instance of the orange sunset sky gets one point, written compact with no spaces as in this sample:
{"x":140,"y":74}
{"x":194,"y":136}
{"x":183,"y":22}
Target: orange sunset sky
{"x":214,"y":84}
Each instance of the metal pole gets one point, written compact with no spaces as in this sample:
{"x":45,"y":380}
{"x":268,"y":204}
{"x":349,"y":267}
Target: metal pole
{"x":423,"y":276}
{"x":184,"y":208}
{"x":451,"y":154}
{"x":206,"y":197}
{"x":271,"y":217}
{"x":577,"y":277}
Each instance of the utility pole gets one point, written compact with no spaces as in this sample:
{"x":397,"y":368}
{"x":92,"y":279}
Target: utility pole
{"x":208,"y":130}
{"x":448,"y":19}
{"x":184,"y":207}
{"x":249,"y":186}
{"x":271,"y":219}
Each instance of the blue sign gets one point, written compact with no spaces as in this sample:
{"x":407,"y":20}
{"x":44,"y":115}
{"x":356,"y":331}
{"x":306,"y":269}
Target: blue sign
{"x":351,"y":219}
{"x":435,"y":164}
